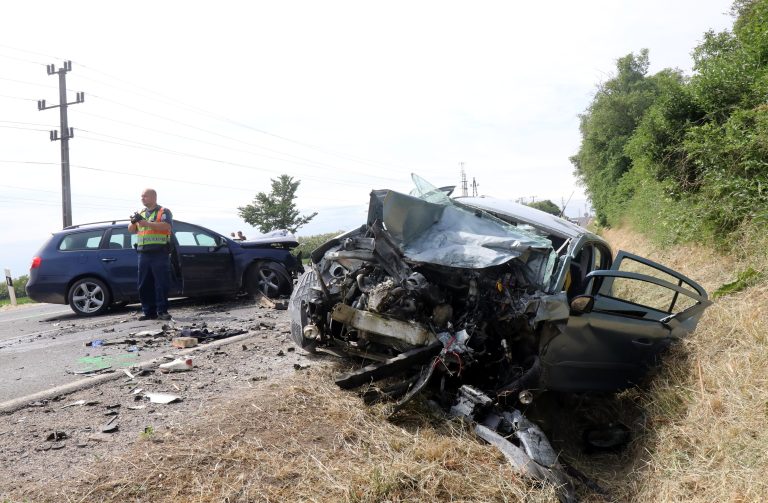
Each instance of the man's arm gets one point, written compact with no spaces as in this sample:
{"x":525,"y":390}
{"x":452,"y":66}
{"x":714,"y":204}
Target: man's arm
{"x":158,"y":226}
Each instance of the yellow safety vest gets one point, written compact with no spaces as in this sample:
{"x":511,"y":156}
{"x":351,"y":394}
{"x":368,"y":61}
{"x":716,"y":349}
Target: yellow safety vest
{"x":149,"y":237}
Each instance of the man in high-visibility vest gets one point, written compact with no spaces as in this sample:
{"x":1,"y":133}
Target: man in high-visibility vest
{"x":153,"y":225}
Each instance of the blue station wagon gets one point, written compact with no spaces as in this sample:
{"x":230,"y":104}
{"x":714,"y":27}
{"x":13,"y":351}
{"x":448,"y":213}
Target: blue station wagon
{"x":93,"y":266}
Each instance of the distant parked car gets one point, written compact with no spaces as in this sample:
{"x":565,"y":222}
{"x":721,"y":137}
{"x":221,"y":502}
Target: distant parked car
{"x":93,"y":266}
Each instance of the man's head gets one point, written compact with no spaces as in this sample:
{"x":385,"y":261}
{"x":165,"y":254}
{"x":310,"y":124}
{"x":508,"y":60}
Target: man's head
{"x":149,"y":198}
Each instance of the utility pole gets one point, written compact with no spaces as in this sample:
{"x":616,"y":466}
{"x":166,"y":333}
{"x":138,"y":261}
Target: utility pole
{"x":474,"y":187}
{"x":463,"y":181}
{"x":66,"y":133}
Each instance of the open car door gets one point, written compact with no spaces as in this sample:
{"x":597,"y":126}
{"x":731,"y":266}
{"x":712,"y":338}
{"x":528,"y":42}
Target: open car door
{"x":632,"y":313}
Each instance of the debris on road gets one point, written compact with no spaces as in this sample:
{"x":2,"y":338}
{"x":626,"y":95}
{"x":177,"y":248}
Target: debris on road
{"x":93,"y":371}
{"x":55,"y":436}
{"x":177,"y":365}
{"x":184,"y":342}
{"x":110,"y":426}
{"x":79,"y":403}
{"x":162,"y":398}
{"x":149,"y":333}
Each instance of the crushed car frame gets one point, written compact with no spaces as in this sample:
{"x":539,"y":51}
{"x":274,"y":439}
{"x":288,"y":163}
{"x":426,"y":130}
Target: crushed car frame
{"x":487,"y":303}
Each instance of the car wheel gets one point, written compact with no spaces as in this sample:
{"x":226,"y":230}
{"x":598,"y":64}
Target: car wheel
{"x":268,"y":278}
{"x":88,"y":297}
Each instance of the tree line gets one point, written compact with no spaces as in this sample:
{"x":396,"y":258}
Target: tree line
{"x":684,"y":157}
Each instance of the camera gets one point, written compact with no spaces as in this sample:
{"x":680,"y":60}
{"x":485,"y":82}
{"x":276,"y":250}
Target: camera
{"x":136,"y":218}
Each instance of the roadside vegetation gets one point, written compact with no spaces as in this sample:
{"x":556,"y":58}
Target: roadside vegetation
{"x":677,"y":170}
{"x":308,"y":243}
{"x":19,"y":285}
{"x":684,"y":158}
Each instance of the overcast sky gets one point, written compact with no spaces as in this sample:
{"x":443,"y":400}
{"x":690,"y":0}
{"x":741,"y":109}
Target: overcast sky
{"x":206,"y":101}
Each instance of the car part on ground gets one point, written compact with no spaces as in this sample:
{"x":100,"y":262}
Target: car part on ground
{"x":471,"y":301}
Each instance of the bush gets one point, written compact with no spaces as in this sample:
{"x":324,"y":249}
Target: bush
{"x":308,"y":243}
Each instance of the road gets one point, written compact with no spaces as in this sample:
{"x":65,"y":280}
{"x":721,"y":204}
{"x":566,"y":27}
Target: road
{"x":44,"y":345}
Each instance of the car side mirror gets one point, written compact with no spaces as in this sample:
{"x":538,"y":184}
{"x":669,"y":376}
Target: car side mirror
{"x":582,"y":304}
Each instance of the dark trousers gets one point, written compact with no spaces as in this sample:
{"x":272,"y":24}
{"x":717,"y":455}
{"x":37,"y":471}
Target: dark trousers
{"x":154,"y":280}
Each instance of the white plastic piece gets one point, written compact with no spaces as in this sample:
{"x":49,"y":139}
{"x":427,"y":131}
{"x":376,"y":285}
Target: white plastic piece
{"x":177,"y":365}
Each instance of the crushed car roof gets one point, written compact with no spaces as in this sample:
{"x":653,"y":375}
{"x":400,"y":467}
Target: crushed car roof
{"x":527,"y":215}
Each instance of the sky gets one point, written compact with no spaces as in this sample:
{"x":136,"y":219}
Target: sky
{"x":207,"y":101}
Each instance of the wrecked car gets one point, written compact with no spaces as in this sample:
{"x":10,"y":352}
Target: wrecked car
{"x":485,"y":303}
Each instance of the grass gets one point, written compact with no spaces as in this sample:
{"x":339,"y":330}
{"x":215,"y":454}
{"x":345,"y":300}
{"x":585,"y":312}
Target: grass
{"x":304,"y":441}
{"x":19,"y":301}
{"x":706,"y":433}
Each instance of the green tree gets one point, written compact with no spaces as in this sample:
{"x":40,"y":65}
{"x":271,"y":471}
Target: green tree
{"x":546,"y":205}
{"x":276,"y":210}
{"x":606,"y":127}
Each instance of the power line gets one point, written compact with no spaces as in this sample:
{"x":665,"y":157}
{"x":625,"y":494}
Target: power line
{"x":202,"y":111}
{"x":16,"y":97}
{"x":207,"y":131}
{"x":222,"y":118}
{"x":163,"y":150}
{"x":306,"y":161}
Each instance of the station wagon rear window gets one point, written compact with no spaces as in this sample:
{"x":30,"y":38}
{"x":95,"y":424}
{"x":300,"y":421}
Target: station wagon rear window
{"x":81,"y":241}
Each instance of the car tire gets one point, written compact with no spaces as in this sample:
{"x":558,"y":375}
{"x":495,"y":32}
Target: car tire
{"x":89,"y":297}
{"x":298,"y":310}
{"x":268,"y":278}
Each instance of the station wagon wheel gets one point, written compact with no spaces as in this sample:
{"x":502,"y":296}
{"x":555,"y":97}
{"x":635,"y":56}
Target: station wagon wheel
{"x":88,"y":297}
{"x":268,"y":278}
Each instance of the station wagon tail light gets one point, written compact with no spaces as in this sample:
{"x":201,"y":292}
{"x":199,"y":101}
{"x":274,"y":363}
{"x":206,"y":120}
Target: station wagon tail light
{"x":36,"y":261}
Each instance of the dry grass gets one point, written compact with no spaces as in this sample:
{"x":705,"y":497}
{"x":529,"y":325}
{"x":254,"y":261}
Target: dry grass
{"x":305,"y":441}
{"x":706,"y":436}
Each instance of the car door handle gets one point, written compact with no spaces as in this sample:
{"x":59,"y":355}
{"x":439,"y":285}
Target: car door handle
{"x":188,"y":255}
{"x":644,"y":342}
{"x":110,"y":259}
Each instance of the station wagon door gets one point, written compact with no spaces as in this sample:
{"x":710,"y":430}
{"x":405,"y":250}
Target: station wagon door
{"x":640,"y":308}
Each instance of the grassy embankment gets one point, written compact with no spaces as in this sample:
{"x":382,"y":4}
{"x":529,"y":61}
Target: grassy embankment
{"x":701,"y":436}
{"x":706,"y":437}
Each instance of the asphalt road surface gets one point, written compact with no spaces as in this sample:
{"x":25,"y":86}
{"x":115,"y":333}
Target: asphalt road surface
{"x":44,"y":345}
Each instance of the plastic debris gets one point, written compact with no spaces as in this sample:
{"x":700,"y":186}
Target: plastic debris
{"x":162,"y":398}
{"x":177,"y":365}
{"x":148,"y":333}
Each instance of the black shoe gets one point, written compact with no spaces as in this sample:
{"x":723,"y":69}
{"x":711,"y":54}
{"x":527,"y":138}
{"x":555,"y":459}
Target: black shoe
{"x":163,"y":316}
{"x":145,"y":317}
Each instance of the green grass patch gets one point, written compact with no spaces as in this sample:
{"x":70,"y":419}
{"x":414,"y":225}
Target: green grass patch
{"x":22,"y":300}
{"x":744,"y":280}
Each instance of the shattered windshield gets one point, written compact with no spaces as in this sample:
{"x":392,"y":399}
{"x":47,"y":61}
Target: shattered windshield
{"x":432,"y":228}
